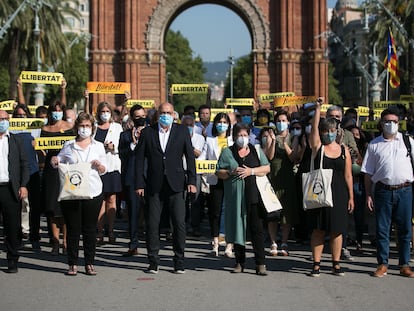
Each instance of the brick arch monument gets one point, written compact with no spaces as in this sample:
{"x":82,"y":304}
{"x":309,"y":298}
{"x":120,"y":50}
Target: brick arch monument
{"x":289,"y":52}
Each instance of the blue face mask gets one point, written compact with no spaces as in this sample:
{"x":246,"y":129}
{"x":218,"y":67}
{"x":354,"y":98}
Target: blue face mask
{"x":190,"y":130}
{"x":45,"y":121}
{"x":57,"y":115}
{"x":166,"y":120}
{"x":221,"y":127}
{"x":282,"y":126}
{"x":328,"y":138}
{"x":4,"y":126}
{"x":246,"y":120}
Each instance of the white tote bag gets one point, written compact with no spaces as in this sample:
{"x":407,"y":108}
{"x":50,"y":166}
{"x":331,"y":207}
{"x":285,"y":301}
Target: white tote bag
{"x":316,"y":186}
{"x":74,"y":181}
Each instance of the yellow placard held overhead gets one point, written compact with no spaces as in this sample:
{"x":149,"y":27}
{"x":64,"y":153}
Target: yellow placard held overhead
{"x":215,"y":111}
{"x":145,"y":103}
{"x":7,"y":105}
{"x":32,"y":109}
{"x":189,"y":89}
{"x":271,"y":97}
{"x":293,"y":100}
{"x":370,"y":126}
{"x":44,"y":143}
{"x":108,"y":87}
{"x":240,"y":101}
{"x":402,"y":125}
{"x":325,"y":107}
{"x":206,"y":166}
{"x":363,"y":111}
{"x":377,"y":113}
{"x":41,"y":77}
{"x":25,"y":123}
{"x":385,"y":104}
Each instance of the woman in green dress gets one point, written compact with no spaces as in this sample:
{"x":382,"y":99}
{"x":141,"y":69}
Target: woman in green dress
{"x":238,"y":166}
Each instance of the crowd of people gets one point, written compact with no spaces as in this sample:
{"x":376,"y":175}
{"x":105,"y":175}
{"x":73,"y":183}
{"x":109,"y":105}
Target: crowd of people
{"x":146,"y":159}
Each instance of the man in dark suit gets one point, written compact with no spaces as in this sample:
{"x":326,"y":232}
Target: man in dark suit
{"x":163,"y":145}
{"x":14,"y":176}
{"x":127,"y":145}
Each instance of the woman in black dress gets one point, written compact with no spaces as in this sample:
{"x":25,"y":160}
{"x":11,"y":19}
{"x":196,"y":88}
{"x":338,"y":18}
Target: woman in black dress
{"x":332,"y":220}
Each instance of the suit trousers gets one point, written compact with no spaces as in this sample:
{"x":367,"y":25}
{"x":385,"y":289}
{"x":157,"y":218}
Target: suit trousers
{"x":33,"y":187}
{"x":10,"y":208}
{"x":175,"y":203}
{"x":81,"y":217}
{"x":134,"y":204}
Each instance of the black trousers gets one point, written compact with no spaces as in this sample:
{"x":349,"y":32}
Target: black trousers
{"x":33,"y":187}
{"x":214,"y":209}
{"x":81,"y":217}
{"x":255,"y":228}
{"x":11,"y":210}
{"x":176,"y":207}
{"x":134,"y":204}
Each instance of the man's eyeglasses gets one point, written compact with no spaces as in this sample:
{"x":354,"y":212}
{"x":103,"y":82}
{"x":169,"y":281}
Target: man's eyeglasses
{"x":390,"y":121}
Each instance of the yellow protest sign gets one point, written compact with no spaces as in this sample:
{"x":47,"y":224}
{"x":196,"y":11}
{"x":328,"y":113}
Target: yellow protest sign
{"x":7,"y":105}
{"x":206,"y":166}
{"x":108,"y":87}
{"x":270,"y":97}
{"x":363,"y":111}
{"x":325,"y":107}
{"x":408,"y":98}
{"x":377,"y":113}
{"x":25,"y":123}
{"x":44,"y":143}
{"x":145,"y":103}
{"x":385,"y":104}
{"x":189,"y":89}
{"x":239,"y":101}
{"x":402,"y":125}
{"x":215,"y":111}
{"x":370,"y":126}
{"x":293,"y":100}
{"x":41,"y":77}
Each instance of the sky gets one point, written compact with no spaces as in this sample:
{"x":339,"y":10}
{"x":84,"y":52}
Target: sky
{"x":215,"y":32}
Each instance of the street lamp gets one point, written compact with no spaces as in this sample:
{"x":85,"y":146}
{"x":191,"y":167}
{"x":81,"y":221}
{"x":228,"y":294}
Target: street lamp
{"x":231,"y":62}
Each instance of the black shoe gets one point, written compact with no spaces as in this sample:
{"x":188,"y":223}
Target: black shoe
{"x":130,"y":252}
{"x":12,"y":266}
{"x":36,"y":246}
{"x":152,"y":269}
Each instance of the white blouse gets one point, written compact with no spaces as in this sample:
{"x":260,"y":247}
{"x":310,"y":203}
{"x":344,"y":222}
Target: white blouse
{"x":72,"y":153}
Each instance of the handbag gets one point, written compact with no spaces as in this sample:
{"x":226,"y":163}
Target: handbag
{"x":267,"y":194}
{"x":74,"y":181}
{"x":316,"y":186}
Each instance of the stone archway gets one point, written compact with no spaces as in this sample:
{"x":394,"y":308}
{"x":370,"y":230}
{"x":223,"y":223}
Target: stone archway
{"x":289,"y":53}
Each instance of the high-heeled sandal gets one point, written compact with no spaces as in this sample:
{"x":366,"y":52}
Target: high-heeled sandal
{"x":111,"y":237}
{"x":215,"y":249}
{"x":228,"y":251}
{"x":90,"y":270}
{"x":100,"y":238}
{"x":73,"y":270}
{"x":316,"y":270}
{"x":336,"y":269}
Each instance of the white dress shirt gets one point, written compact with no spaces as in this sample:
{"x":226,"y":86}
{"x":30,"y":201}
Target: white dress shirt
{"x":164,"y":135}
{"x":4,"y":158}
{"x":387,"y":162}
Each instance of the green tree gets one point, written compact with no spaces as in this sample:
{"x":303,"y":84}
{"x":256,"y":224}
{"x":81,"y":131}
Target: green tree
{"x":242,"y":78}
{"x":183,"y":68}
{"x":17,"y":49}
{"x":334,"y":95}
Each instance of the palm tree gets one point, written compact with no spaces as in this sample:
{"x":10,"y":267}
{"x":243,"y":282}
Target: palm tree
{"x":18,"y":47}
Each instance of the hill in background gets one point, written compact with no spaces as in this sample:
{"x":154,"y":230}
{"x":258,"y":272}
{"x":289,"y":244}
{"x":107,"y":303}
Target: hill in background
{"x":216,"y":72}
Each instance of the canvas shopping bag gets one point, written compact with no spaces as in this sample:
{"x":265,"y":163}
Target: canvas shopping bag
{"x":316,"y":186}
{"x":74,"y":181}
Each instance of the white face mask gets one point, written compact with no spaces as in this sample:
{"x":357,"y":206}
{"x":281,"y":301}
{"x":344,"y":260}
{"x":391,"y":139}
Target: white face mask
{"x":390,"y":128}
{"x":296,"y":132}
{"x":308,"y":129}
{"x":125,"y":118}
{"x":84,"y":132}
{"x":106,"y":116}
{"x":242,"y":141}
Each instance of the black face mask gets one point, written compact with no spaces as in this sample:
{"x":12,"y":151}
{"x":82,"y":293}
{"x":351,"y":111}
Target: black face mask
{"x":139,"y":122}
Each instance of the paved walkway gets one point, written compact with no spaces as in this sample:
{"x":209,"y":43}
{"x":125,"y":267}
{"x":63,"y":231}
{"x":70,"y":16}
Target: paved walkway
{"x":121,"y":283}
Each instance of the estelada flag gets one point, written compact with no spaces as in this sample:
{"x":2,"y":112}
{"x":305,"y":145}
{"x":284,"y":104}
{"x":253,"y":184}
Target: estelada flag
{"x":391,"y":62}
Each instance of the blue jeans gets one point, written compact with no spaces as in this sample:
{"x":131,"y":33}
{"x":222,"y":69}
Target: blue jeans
{"x":397,"y":203}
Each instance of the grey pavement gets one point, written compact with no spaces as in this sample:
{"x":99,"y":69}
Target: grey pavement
{"x":121,"y":283}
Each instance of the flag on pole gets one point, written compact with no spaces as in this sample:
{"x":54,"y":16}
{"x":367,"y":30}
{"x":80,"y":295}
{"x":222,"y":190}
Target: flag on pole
{"x":391,"y":62}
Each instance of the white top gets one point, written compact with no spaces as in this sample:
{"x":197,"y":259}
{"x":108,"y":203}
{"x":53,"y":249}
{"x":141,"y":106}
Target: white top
{"x":72,"y":153}
{"x":164,"y":135}
{"x":4,"y":157}
{"x":112,"y":158}
{"x":198,"y":129}
{"x":197,"y":141}
{"x":387,"y":162}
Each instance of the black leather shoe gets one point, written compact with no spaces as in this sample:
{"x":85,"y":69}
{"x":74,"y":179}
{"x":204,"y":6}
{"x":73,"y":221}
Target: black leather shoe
{"x":12,"y":266}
